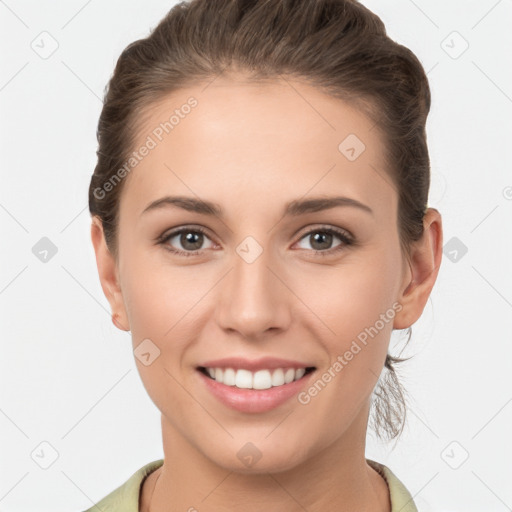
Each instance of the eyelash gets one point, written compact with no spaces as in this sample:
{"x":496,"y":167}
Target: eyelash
{"x":347,"y":240}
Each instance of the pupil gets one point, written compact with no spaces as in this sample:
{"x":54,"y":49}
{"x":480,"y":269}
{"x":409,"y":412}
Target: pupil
{"x":189,"y":239}
{"x":323,"y":237}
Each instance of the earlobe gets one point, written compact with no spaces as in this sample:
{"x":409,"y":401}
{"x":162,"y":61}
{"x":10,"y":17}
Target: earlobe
{"x":108,"y":275}
{"x":425,"y":260}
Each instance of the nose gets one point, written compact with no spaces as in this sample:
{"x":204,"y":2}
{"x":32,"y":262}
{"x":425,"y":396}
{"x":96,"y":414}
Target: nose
{"x":254,"y":298}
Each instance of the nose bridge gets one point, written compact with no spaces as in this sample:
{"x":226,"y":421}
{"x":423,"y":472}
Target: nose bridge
{"x":253,"y":298}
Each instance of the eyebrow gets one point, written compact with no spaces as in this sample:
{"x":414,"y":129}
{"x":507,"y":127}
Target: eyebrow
{"x":293,"y":208}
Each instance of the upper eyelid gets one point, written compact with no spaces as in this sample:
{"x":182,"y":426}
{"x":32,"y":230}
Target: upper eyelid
{"x":324,"y":227}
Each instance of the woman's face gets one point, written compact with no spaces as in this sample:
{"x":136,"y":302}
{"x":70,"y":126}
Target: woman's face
{"x":268,"y":276}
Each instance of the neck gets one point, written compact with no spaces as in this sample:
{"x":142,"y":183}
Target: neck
{"x":337,"y":478}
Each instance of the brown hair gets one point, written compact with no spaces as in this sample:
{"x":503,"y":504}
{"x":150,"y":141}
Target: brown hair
{"x":338,"y":46}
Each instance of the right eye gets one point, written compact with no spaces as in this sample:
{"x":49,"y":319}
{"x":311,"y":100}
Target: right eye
{"x":191,"y":239}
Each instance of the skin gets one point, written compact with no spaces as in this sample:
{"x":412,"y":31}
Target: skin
{"x":251,"y":148}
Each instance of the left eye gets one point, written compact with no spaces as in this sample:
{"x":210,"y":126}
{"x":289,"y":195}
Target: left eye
{"x":324,"y":237}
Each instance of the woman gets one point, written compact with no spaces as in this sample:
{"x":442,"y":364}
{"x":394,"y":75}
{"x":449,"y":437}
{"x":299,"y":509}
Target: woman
{"x":260,"y":224}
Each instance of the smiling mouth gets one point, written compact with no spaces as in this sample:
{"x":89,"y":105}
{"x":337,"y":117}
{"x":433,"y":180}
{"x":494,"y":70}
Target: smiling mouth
{"x":261,"y":379}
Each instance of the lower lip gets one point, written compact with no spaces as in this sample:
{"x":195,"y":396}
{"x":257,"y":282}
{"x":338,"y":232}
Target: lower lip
{"x":254,"y":400}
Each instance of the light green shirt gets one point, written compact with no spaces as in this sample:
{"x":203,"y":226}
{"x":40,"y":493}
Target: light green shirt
{"x":126,"y":497}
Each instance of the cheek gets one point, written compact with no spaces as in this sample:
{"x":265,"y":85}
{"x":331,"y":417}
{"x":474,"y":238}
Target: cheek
{"x":357,"y":308}
{"x":163,"y":301}
{"x":351,"y":297}
{"x":354,"y":311}
{"x":160,"y":304}
{"x":148,"y":296}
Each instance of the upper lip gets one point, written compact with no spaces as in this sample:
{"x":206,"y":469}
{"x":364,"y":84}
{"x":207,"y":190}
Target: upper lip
{"x":263,"y":363}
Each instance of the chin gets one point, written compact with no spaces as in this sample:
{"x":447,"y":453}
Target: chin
{"x":249,"y":460}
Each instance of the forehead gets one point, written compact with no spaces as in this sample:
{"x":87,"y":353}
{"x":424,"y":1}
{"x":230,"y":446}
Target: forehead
{"x":278,"y":137}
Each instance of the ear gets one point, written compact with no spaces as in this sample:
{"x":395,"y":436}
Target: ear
{"x":425,"y":260}
{"x":108,"y":274}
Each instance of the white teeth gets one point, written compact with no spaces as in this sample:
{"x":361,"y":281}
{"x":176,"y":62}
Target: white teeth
{"x":243,"y":379}
{"x":289,"y":375}
{"x":278,"y":377}
{"x":299,"y":373}
{"x":262,"y":379}
{"x":229,"y":377}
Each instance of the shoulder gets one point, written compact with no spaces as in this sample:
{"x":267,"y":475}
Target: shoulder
{"x":125,"y":498}
{"x":401,"y":499}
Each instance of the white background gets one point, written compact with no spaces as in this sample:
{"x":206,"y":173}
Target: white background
{"x":68,"y":376}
